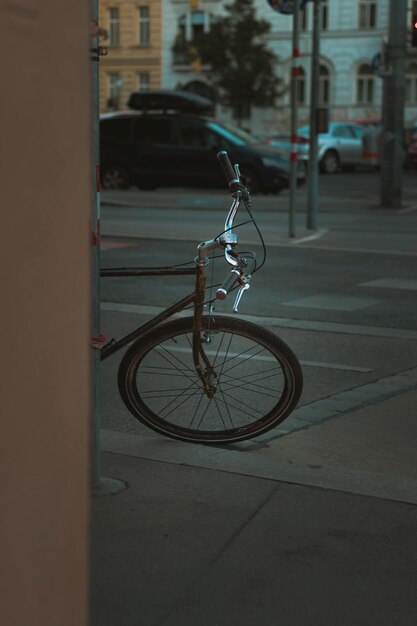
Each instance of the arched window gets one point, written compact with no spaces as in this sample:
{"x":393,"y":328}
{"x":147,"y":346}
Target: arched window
{"x":411,"y":84}
{"x":324,"y":85}
{"x":365,"y":84}
{"x":301,"y":86}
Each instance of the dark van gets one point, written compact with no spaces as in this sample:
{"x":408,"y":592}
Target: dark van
{"x":177,"y":148}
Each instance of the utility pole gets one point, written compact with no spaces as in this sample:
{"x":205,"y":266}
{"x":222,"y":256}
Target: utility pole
{"x":392,"y":150}
{"x":313,"y":165}
{"x":95,"y":252}
{"x":294,"y":90}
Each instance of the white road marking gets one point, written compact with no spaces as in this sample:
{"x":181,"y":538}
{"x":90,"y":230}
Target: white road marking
{"x":318,"y":326}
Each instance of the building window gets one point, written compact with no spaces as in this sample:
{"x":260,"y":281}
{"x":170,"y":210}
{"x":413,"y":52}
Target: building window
{"x":193,"y":24}
{"x":304,"y":18}
{"x":324,"y":85}
{"x":411,"y":84}
{"x":114,"y":27}
{"x":324,"y":15}
{"x":144,"y":26}
{"x":197,"y":23}
{"x":144,"y":81}
{"x":365,"y":85}
{"x":114,"y":84}
{"x":301,"y":86}
{"x":367,"y":13}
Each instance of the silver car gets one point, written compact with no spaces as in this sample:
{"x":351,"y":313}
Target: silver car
{"x":341,"y":147}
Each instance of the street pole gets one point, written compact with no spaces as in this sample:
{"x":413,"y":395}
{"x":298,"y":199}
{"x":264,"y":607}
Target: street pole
{"x":392,"y":151}
{"x":313,"y":164}
{"x":293,"y":152}
{"x":95,"y":253}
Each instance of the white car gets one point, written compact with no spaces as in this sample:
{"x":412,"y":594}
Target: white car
{"x":340,"y":147}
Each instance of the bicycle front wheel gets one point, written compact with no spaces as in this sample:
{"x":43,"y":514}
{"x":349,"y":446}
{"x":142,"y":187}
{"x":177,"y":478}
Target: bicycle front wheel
{"x":256,"y":377}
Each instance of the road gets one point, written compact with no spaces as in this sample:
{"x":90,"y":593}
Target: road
{"x":344,"y":298}
{"x":313,"y":522}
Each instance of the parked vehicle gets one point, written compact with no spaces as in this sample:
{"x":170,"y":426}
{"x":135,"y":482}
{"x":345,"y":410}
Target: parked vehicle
{"x":153,"y":148}
{"x":410,"y":140}
{"x":340,"y":147}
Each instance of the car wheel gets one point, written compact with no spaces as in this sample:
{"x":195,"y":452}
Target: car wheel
{"x":329,"y":163}
{"x":115,"y":176}
{"x":252,"y":181}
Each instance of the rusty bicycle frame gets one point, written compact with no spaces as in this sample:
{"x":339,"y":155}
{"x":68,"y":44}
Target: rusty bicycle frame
{"x":227,"y":240}
{"x":196,"y":298}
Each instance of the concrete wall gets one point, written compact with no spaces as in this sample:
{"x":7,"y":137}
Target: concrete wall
{"x":44,"y":242}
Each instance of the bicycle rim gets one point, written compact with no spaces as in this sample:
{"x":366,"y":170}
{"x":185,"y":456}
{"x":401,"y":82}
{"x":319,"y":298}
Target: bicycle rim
{"x":257,"y":381}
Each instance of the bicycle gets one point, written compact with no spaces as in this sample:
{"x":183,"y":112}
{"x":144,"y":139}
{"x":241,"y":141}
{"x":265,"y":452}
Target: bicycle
{"x":207,"y":378}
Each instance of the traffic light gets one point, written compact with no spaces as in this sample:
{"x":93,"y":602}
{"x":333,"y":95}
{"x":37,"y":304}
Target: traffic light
{"x":414,"y":25}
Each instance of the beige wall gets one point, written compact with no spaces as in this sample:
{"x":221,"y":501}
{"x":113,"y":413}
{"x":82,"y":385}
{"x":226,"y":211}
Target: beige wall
{"x":44,"y":386}
{"x":130,"y":58}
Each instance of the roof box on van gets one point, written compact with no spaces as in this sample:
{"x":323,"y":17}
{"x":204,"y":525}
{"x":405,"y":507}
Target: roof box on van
{"x":182,"y":101}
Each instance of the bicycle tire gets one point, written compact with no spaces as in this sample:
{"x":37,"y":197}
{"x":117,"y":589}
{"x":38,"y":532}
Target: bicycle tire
{"x":159,"y":385}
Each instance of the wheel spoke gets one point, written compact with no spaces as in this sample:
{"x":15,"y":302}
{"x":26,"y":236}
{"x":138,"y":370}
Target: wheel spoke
{"x":204,"y":414}
{"x":181,"y":403}
{"x":227,"y":407}
{"x":220,"y":413}
{"x":238,"y":408}
{"x":248,"y":357}
{"x":252,"y":386}
{"x":247,"y":384}
{"x":164,"y":371}
{"x":196,"y":411}
{"x":175,"y":358}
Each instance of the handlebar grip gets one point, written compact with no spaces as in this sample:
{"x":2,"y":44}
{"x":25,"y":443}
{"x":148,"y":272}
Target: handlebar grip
{"x":221,"y":292}
{"x":229,"y":172}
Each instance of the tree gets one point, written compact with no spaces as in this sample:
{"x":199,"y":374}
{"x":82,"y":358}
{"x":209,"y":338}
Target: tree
{"x":242,"y":66}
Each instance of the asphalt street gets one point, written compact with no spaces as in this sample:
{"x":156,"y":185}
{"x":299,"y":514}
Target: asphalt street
{"x":312,"y":523}
{"x":343,"y":298}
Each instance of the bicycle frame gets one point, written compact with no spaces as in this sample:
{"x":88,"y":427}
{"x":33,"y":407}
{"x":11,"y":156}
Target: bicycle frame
{"x":227,"y":240}
{"x":196,"y":298}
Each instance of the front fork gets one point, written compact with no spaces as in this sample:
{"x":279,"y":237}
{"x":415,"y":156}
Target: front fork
{"x":202,"y":364}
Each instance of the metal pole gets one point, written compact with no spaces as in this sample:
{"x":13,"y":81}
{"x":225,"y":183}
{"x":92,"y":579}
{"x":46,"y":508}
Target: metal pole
{"x":392,"y":150}
{"x":313,"y":165}
{"x":293,"y":153}
{"x":294,"y":121}
{"x":95,"y":252}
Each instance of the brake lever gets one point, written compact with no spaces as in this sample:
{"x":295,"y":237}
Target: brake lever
{"x":240,"y":293}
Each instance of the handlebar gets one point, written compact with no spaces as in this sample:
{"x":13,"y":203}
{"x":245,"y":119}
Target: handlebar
{"x":242,"y":266}
{"x":231,"y":175}
{"x":228,"y":283}
{"x":242,"y":274}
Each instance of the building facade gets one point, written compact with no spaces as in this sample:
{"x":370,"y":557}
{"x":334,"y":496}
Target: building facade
{"x":353,"y":33}
{"x":131,"y":30}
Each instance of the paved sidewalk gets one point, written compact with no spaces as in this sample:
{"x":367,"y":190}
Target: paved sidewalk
{"x":312,"y":524}
{"x":313,"y":528}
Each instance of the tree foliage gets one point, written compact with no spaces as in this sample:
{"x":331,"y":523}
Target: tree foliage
{"x":242,"y":65}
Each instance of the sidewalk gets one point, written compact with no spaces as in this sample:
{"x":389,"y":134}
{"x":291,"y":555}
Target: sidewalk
{"x":308,"y":525}
{"x":313,"y":528}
